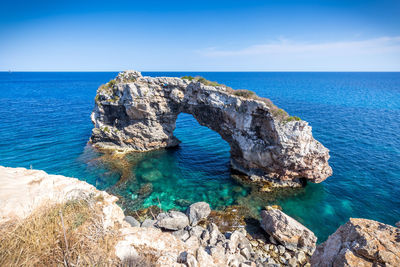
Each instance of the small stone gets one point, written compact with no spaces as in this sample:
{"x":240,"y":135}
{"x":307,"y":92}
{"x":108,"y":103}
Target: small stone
{"x":196,"y":231}
{"x":287,"y":255}
{"x":173,"y":220}
{"x":181,"y":234}
{"x":398,"y":224}
{"x":281,"y":249}
{"x":149,"y":223}
{"x":132,"y":221}
{"x":260,"y":241}
{"x":292,"y":262}
{"x":272,"y":240}
{"x":282,"y":260}
{"x":246,"y":253}
{"x":254,"y":243}
{"x":301,"y":257}
{"x":205,"y":236}
{"x":198,"y":211}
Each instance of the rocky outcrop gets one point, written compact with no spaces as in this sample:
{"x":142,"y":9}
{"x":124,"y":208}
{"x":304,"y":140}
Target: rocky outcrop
{"x":136,"y":113}
{"x":286,"y":230}
{"x":360,"y":242}
{"x":23,"y":191}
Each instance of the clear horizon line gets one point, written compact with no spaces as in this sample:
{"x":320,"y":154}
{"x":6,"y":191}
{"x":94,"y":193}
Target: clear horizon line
{"x":201,"y":70}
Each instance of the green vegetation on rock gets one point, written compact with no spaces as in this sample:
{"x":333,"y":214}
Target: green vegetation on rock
{"x":202,"y":80}
{"x":276,"y":112}
{"x":244,"y":93}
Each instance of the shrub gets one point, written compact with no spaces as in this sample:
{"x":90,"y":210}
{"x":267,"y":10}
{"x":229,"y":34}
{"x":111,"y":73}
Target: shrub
{"x":201,"y":80}
{"x":293,"y":118}
{"x":279,"y":113}
{"x":111,"y":83}
{"x":187,"y":78}
{"x":244,"y":93}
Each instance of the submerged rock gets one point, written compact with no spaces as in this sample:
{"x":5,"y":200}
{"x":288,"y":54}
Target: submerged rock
{"x":197,"y":212}
{"x":360,"y":242}
{"x":136,"y":113}
{"x":182,"y":202}
{"x":152,"y":176}
{"x":289,"y":232}
{"x":227,"y":220}
{"x":145,"y":190}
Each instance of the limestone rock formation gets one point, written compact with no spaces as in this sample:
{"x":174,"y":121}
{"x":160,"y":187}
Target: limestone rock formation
{"x":360,"y":242}
{"x":136,"y":113}
{"x":289,"y":232}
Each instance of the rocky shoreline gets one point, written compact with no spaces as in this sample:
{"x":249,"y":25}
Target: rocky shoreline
{"x":136,"y":113}
{"x":173,"y":238}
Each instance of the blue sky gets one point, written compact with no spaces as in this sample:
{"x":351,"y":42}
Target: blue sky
{"x":272,"y":35}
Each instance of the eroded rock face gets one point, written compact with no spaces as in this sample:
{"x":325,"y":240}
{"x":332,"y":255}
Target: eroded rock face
{"x":135,"y":113}
{"x":289,"y":232}
{"x":360,"y":242}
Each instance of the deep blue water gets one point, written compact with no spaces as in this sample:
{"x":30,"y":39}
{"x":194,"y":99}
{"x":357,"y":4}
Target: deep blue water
{"x":45,"y":123}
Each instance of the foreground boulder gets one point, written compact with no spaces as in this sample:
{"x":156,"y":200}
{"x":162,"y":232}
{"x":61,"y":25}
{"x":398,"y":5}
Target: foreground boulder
{"x":360,"y":242}
{"x":198,"y":211}
{"x":289,"y":232}
{"x":172,"y":220}
{"x":136,"y":113}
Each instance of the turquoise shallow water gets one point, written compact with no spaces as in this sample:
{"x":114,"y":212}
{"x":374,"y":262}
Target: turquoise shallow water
{"x":45,"y":123}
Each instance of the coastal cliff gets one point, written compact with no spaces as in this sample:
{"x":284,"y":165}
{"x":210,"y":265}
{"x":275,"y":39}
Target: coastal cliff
{"x":136,"y":113}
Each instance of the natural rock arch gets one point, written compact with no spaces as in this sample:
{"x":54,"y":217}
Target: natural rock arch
{"x":136,"y":113}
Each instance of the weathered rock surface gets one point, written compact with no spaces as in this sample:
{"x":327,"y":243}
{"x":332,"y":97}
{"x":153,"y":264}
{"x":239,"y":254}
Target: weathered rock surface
{"x":135,"y":113}
{"x":132,"y":221}
{"x":360,"y":242}
{"x":172,"y":220}
{"x":289,"y":232}
{"x":22,"y":191}
{"x":198,"y":211}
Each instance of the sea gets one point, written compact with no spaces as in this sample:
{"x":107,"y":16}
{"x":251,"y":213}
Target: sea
{"x":45,"y":124}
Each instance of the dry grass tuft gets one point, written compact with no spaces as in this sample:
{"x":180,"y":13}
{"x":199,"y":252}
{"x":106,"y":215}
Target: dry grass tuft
{"x":69,"y":234}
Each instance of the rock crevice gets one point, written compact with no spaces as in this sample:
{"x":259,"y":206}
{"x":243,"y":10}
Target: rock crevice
{"x":136,"y":113}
